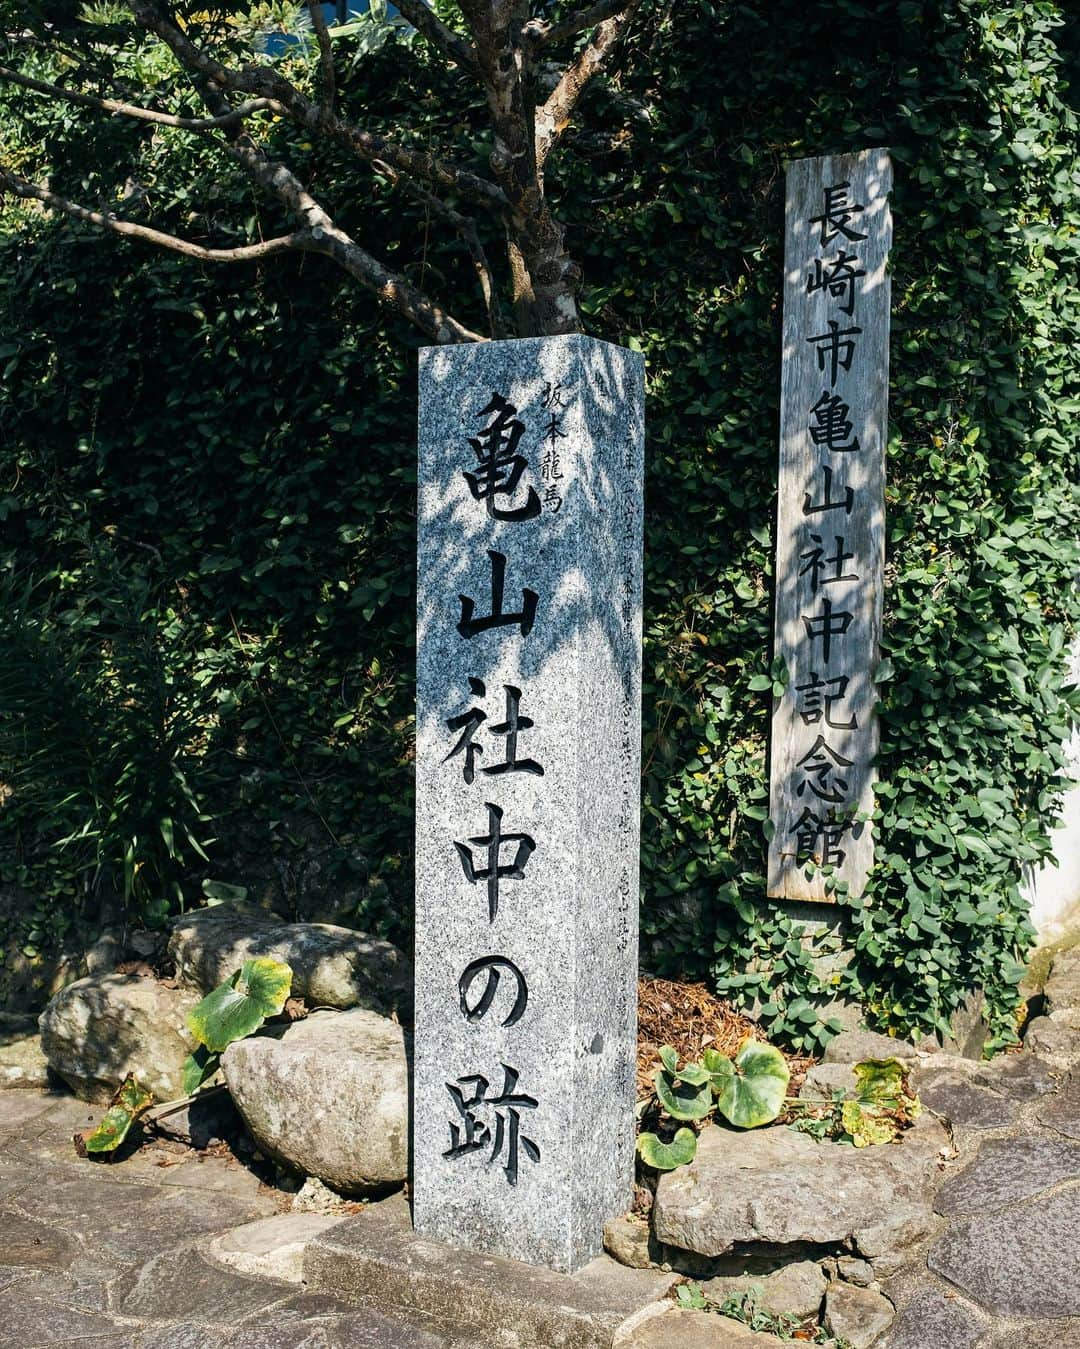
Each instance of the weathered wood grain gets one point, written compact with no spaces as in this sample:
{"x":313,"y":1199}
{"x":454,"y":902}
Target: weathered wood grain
{"x":831,"y":521}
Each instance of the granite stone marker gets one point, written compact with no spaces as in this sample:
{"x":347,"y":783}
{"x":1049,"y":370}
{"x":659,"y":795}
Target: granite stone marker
{"x":527,"y":794}
{"x":830,"y":536}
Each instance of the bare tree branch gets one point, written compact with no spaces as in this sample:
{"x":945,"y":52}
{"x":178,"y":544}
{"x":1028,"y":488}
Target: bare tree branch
{"x":542,"y":34}
{"x":554,"y":117}
{"x":132,"y":110}
{"x":264,"y":81}
{"x":328,"y":77}
{"x":326,"y":237}
{"x":427,"y":23}
{"x":466,"y":228}
{"x":19,"y":187}
{"x":545,"y":279}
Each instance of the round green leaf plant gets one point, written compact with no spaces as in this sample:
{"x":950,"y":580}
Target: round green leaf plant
{"x":749,"y":1091}
{"x":235,"y":1009}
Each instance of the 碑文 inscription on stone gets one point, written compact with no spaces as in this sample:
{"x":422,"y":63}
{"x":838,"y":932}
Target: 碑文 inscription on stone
{"x":527,"y":770}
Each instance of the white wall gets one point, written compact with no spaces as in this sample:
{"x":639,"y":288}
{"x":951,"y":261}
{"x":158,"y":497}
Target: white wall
{"x":1055,"y":891}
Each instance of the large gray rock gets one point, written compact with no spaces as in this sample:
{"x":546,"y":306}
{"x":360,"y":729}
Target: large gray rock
{"x":857,"y":1315}
{"x":853,"y":1045}
{"x":629,"y":1240}
{"x":1062,"y":1112}
{"x":330,"y":1097}
{"x":1054,"y":1041}
{"x":99,"y":1029}
{"x":22,"y":1060}
{"x":791,"y":1290}
{"x":332,"y":966}
{"x":779,"y":1187}
{"x":1018,"y":1262}
{"x":697,"y":1330}
{"x":1062,"y":991}
{"x":967,"y":1028}
{"x":823,"y":1079}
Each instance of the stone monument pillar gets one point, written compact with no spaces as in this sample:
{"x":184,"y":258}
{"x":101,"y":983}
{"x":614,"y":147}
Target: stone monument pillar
{"x":527,"y":794}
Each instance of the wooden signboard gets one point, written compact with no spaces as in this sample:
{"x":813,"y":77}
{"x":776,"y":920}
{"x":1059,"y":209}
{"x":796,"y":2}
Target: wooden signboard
{"x":831,"y":523}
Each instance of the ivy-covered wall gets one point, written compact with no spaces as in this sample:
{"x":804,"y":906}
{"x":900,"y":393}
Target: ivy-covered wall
{"x":207,"y":503}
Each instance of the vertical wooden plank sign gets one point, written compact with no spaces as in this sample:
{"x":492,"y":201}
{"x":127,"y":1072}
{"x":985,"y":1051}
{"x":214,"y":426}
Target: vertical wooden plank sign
{"x":830,"y":539}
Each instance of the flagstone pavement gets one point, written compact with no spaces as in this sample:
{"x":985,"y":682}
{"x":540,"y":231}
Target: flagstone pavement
{"x":113,"y":1255}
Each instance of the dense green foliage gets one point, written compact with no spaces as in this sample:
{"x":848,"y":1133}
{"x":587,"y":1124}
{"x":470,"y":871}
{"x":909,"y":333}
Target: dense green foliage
{"x":207,"y":479}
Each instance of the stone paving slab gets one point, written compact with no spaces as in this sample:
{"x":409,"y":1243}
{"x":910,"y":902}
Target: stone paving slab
{"x":127,"y":1224}
{"x":1048,"y":1335}
{"x":185,"y":1286}
{"x":114,"y":1256}
{"x":376,"y":1259}
{"x":34,"y":1322}
{"x":317,"y":1320}
{"x":17,"y":1108}
{"x":933,"y":1318}
{"x":964,"y":1103}
{"x":1018,"y":1262}
{"x":183,"y":1336}
{"x":1062,"y":1112}
{"x":1007,"y":1170}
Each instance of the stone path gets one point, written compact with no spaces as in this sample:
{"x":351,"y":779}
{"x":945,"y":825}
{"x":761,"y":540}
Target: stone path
{"x":113,"y":1256}
{"x":118,"y":1255}
{"x":1003,"y":1269}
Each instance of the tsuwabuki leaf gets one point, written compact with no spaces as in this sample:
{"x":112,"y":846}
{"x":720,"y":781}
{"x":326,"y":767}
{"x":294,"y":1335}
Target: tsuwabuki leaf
{"x":682,"y":1100}
{"x":669,"y":1058}
{"x":667,"y":1156}
{"x":754,"y":1094}
{"x":127,"y":1105}
{"x":865,"y":1126}
{"x":719,"y":1068}
{"x":198,"y":1068}
{"x":241,"y":1004}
